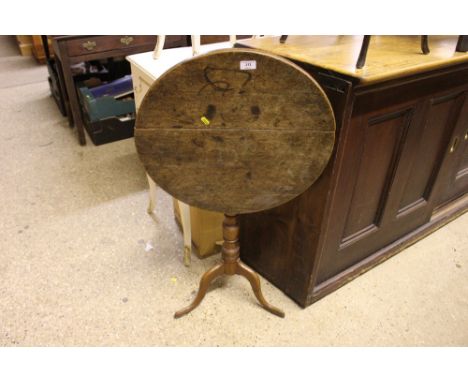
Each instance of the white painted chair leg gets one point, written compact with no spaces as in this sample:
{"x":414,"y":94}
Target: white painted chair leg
{"x":159,"y":46}
{"x":183,"y":208}
{"x":152,"y":195}
{"x":187,"y":231}
{"x":195,"y":44}
{"x":232,"y":39}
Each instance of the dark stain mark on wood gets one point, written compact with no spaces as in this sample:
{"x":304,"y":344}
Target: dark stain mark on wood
{"x":217,"y":138}
{"x":210,"y":112}
{"x":255,"y":110}
{"x":198,"y":142}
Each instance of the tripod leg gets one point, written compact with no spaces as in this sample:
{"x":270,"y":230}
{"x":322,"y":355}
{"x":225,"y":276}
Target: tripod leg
{"x":254,"y":280}
{"x":205,"y":282}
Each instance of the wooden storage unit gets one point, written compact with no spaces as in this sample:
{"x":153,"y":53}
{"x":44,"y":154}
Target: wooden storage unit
{"x":399,"y":168}
{"x":70,"y":50}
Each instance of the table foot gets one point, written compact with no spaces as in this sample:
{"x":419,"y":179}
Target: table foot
{"x":205,"y":282}
{"x":254,"y":279}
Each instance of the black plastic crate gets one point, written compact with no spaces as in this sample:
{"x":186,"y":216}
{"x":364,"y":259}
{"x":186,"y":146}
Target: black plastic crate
{"x":109,"y":129}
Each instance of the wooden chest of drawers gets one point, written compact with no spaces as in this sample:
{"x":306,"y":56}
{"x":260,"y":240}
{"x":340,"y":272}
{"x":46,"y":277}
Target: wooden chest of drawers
{"x":70,"y":50}
{"x":98,"y":44}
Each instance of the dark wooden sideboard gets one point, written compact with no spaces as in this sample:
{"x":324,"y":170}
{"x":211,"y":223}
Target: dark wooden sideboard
{"x":399,"y":169}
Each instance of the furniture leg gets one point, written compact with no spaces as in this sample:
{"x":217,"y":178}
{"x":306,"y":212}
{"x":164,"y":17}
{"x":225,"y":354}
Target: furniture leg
{"x":184,"y":217}
{"x":425,"y":44}
{"x":74,"y":103}
{"x":462,"y":44}
{"x":186,"y":230}
{"x":363,"y":53}
{"x":205,"y":282}
{"x":63,"y":90}
{"x":159,"y":46}
{"x":195,"y":44}
{"x":249,"y":274}
{"x":152,"y":195}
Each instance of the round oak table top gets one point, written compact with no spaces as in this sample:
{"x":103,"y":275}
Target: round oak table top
{"x":235,"y":131}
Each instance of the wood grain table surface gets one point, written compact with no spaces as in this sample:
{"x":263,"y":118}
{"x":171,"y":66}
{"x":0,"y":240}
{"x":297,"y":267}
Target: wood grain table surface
{"x":235,"y":131}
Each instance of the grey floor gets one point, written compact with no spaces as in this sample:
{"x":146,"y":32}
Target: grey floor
{"x":82,"y":263}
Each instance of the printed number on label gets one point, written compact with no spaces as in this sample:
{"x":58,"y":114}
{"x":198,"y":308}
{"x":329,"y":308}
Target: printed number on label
{"x":248,"y":65}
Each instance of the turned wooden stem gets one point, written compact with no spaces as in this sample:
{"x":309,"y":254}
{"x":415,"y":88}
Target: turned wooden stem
{"x":231,"y":248}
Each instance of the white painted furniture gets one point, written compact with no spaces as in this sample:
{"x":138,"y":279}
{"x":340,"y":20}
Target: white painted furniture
{"x":146,"y":68}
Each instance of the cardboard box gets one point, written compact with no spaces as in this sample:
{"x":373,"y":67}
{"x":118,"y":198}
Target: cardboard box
{"x":206,"y":227}
{"x":25,"y":44}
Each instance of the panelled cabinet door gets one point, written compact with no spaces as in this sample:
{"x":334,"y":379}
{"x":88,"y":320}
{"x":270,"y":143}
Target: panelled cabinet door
{"x":369,"y":184}
{"x":453,"y":181}
{"x":389,"y":187}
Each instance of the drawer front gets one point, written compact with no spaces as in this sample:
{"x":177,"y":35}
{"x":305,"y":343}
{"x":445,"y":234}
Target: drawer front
{"x":141,"y":85}
{"x":97,"y":44}
{"x":175,"y":41}
{"x":212,"y":39}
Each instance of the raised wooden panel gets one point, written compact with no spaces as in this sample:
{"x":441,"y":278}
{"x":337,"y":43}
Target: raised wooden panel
{"x":430,"y":151}
{"x":463,"y":168}
{"x":454,"y":178}
{"x":460,"y":181}
{"x":380,"y":149}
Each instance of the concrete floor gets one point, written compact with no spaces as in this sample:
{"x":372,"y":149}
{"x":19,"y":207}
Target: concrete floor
{"x":82,"y":263}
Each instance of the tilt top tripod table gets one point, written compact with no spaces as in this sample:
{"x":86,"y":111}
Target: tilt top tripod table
{"x":234,"y":131}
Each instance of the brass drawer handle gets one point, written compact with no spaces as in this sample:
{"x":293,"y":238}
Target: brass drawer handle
{"x":89,"y":45}
{"x":454,"y":145}
{"x":126,"y":40}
